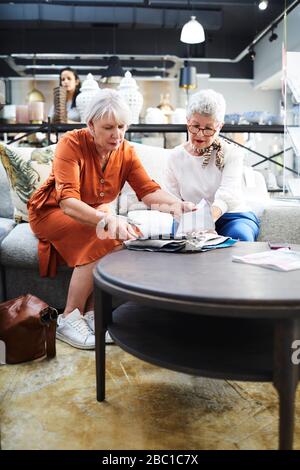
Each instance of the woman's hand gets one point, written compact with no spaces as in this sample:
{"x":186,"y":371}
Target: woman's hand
{"x":216,"y":213}
{"x":182,"y":206}
{"x":117,"y":228}
{"x":165,"y":202}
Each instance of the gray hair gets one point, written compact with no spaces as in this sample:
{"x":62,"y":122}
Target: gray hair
{"x":207,"y":102}
{"x":110,"y":103}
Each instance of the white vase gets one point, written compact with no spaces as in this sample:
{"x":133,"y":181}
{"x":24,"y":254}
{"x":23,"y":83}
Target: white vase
{"x":128,"y":89}
{"x":154,"y":116}
{"x":179,"y":116}
{"x":87,"y":91}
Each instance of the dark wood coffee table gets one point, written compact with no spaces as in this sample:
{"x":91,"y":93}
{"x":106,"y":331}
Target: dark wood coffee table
{"x":204,"y":315}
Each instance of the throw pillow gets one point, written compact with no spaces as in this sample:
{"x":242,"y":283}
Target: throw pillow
{"x":6,"y":207}
{"x":26,"y":169}
{"x":255,"y":191}
{"x":154,"y":160}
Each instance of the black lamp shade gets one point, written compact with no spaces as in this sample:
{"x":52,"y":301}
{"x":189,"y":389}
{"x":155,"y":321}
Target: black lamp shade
{"x":114,"y":68}
{"x":188,"y":77}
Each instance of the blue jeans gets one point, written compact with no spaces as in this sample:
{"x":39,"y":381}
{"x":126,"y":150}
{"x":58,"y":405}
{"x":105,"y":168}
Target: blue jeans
{"x":239,"y":225}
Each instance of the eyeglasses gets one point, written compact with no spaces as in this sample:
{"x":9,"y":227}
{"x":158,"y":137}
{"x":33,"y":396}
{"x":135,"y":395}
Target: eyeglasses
{"x":206,"y":131}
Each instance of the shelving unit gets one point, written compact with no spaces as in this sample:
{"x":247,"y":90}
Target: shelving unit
{"x":60,"y":128}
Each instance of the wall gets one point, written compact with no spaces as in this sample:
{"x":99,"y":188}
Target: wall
{"x":241,"y":96}
{"x":268,"y":61}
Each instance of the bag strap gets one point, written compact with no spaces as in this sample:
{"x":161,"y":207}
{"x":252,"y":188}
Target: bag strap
{"x":50,"y":339}
{"x":49,"y":317}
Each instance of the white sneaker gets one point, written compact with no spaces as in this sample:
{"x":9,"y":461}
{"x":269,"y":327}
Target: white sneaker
{"x":89,"y":318}
{"x":74,"y":330}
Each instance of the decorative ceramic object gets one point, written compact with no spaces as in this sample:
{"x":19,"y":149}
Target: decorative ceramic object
{"x":179,"y":116}
{"x":36,"y":112}
{"x":128,"y":89}
{"x":154,"y":116}
{"x":166,"y":107}
{"x":9,"y":113}
{"x":22,"y":113}
{"x":60,"y":104}
{"x":87,"y":91}
{"x":35,"y":95}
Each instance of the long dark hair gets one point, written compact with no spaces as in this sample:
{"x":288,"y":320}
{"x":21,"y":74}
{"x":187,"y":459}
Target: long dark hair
{"x":78,"y":86}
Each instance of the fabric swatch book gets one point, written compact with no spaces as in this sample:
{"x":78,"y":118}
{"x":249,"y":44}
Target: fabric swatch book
{"x":208,"y":241}
{"x":195,"y":231}
{"x":155,"y":224}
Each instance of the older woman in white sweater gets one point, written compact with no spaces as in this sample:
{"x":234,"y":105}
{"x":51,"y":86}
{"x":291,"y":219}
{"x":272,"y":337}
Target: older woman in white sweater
{"x":209,"y":167}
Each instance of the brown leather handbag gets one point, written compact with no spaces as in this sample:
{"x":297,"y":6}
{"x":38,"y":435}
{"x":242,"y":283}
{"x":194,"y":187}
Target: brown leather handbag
{"x":27,"y":329}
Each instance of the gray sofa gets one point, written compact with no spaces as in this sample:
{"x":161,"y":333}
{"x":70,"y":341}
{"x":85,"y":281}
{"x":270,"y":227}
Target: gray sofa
{"x":19,"y":272}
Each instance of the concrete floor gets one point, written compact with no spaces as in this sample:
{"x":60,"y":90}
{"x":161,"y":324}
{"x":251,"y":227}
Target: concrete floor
{"x":52,"y":405}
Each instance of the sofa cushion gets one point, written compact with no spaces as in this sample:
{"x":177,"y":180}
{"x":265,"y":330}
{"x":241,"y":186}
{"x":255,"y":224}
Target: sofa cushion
{"x":6,"y":225}
{"x":26,"y":169}
{"x":154,"y":160}
{"x":20,"y":248}
{"x":6,"y":206}
{"x":280,"y":222}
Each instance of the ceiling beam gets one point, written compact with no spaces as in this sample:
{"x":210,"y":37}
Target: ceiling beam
{"x":211,"y":19}
{"x":176,"y":4}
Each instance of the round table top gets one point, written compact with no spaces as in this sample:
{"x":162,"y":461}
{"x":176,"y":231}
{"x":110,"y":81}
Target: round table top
{"x":204,"y":278}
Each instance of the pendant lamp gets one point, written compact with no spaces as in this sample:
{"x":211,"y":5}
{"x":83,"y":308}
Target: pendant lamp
{"x":35,"y":94}
{"x":36,"y":102}
{"x":114,"y":71}
{"x":188,"y":77}
{"x":192,"y":32}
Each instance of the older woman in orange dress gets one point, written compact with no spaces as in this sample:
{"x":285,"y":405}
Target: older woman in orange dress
{"x":68,"y":213}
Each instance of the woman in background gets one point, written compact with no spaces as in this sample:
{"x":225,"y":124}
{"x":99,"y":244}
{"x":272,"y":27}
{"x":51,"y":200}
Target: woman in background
{"x":69,"y":79}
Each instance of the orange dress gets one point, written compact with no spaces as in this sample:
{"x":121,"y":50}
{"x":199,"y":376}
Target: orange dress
{"x":77,"y":173}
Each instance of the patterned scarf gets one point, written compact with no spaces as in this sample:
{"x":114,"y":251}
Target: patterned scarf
{"x":206,"y":154}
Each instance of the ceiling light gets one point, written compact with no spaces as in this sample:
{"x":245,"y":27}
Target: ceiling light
{"x":263,"y":5}
{"x":188,"y":76}
{"x":192,"y":32}
{"x":34,"y":94}
{"x":114,"y":71}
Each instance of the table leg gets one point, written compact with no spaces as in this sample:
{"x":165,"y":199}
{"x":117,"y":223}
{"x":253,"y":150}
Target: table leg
{"x":286,"y":375}
{"x":103,"y":316}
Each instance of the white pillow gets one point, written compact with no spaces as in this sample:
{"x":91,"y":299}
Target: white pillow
{"x":255,"y":191}
{"x":154,"y":160}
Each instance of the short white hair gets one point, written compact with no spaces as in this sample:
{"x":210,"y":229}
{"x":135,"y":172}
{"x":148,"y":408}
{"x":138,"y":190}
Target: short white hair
{"x":108,"y":102}
{"x":207,"y":102}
